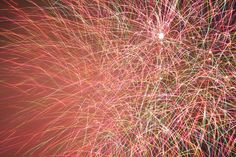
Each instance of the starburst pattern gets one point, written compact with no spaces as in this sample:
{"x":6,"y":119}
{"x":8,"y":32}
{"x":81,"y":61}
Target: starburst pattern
{"x":118,"y":78}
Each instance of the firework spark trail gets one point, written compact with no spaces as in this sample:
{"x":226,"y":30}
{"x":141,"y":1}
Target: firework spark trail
{"x":122,"y":78}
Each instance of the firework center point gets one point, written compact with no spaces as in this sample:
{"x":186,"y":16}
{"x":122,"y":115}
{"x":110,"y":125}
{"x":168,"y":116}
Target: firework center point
{"x":161,"y":36}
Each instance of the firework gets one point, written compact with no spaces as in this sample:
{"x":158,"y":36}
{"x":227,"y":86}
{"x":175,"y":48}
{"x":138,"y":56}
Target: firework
{"x":118,"y":78}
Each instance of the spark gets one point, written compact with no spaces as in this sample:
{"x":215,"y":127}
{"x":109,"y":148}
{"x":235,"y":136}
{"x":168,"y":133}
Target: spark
{"x":161,"y":35}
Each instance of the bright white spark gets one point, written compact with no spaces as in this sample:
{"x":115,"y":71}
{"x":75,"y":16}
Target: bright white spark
{"x":161,"y":36}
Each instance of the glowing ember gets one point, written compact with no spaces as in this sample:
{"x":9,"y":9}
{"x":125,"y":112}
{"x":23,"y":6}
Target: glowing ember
{"x":161,"y":36}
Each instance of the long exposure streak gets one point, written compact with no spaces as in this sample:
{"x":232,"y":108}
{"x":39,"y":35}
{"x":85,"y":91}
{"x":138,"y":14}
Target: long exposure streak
{"x":117,"y":78}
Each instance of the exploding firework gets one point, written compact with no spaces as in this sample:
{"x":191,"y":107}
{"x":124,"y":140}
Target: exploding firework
{"x":118,"y":78}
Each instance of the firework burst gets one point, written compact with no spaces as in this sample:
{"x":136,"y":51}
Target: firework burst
{"x":118,"y":78}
